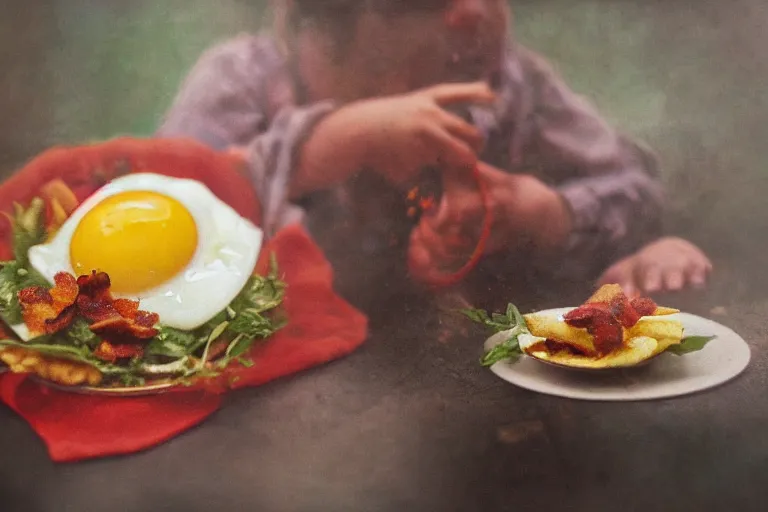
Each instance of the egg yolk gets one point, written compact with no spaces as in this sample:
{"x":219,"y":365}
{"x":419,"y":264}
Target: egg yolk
{"x":141,"y":239}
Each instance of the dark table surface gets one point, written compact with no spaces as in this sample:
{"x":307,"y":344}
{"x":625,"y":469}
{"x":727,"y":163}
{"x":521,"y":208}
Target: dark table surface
{"x":412,"y":422}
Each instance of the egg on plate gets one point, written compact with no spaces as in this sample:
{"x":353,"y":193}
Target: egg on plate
{"x":168,"y":242}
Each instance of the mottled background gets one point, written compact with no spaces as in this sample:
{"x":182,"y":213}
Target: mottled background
{"x":688,"y":76}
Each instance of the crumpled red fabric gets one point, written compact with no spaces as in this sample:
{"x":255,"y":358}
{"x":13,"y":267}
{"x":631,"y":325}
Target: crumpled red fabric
{"x":322,"y":326}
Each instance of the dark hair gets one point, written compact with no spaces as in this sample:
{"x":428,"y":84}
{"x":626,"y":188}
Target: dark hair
{"x":338,"y":17}
{"x":337,"y":13}
{"x":335,"y":17}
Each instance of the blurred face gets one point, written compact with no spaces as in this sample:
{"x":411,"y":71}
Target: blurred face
{"x":423,"y":43}
{"x":476,"y":32}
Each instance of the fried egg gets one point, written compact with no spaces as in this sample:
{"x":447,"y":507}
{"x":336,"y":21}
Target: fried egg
{"x":168,"y":242}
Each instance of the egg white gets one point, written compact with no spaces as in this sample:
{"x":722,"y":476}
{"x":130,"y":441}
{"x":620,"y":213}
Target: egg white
{"x":227,"y":250}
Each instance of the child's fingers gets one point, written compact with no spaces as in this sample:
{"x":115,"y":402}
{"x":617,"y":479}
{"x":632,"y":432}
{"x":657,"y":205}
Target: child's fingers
{"x":674,"y":279}
{"x":455,"y":152}
{"x":630,"y":290}
{"x":698,"y":272}
{"x":652,"y":280}
{"x":447,"y":94}
{"x":461,"y":129}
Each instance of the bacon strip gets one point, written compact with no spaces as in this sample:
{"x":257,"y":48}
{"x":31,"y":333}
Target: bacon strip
{"x":644,"y":306}
{"x":49,"y":311}
{"x":624,"y":312}
{"x":600,"y":322}
{"x":118,"y":317}
{"x":607,"y":314}
{"x":553,"y":346}
{"x":110,"y":352}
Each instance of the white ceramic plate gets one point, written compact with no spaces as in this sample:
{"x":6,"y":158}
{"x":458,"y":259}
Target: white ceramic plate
{"x":666,"y":376}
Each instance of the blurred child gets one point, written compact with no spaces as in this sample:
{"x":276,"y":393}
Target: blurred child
{"x":341,"y":110}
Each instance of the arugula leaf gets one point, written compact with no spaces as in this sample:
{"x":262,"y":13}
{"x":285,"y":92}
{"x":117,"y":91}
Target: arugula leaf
{"x":497,"y":322}
{"x":239,"y":346}
{"x":172,"y":342}
{"x":260,"y":293}
{"x":508,"y":350}
{"x":182,"y":366}
{"x":9,"y":289}
{"x":512,"y":322}
{"x":252,"y":324}
{"x":131,"y":380}
{"x":80,"y":334}
{"x":690,"y":344}
{"x":14,"y":278}
{"x":248,"y":363}
{"x":28,"y":229}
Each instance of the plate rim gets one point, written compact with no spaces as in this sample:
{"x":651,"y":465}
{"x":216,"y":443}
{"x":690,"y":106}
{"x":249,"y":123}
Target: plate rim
{"x":156,"y":388}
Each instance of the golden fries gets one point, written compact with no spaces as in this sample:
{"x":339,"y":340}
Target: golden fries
{"x":651,"y":335}
{"x":60,"y":371}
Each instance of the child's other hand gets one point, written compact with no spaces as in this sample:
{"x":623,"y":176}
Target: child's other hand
{"x":668,"y":264}
{"x":525,"y":212}
{"x":403,"y":134}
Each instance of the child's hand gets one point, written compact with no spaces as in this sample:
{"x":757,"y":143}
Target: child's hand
{"x":669,"y":264}
{"x":526,"y":213}
{"x":403,"y":134}
{"x":396,"y":136}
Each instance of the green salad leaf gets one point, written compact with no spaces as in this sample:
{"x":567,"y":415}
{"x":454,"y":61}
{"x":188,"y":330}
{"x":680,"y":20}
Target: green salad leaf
{"x":80,"y":334}
{"x":15,"y":275}
{"x":174,"y":343}
{"x":28,"y":229}
{"x":511,"y":322}
{"x":690,"y":344}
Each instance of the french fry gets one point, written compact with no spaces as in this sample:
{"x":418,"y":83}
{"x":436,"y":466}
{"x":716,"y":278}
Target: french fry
{"x":552,"y":327}
{"x":60,"y":371}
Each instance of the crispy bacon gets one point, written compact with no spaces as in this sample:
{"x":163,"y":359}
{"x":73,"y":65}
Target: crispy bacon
{"x":553,"y":346}
{"x":49,"y":311}
{"x":95,"y":301}
{"x":110,"y":352}
{"x":600,"y":322}
{"x":607,"y":314}
{"x":623,"y":311}
{"x":644,"y":306}
{"x":112,"y":316}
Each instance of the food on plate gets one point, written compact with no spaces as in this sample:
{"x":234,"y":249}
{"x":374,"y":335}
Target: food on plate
{"x":150,"y":277}
{"x":608,"y":331}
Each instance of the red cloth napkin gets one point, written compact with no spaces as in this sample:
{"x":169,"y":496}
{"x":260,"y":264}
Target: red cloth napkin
{"x":322,"y":326}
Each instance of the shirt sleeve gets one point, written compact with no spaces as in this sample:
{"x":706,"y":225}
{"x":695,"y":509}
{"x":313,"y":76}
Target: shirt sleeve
{"x":223,"y":103}
{"x":609,"y":182}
